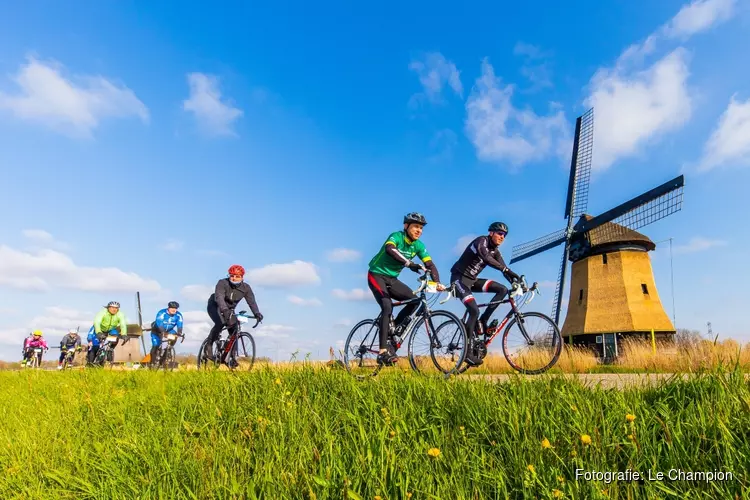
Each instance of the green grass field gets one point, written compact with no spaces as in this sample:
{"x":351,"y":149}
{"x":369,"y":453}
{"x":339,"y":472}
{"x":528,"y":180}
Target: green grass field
{"x":314,"y":433}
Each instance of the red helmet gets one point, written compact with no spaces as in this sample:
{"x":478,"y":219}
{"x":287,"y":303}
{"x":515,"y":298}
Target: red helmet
{"x":237,"y":269}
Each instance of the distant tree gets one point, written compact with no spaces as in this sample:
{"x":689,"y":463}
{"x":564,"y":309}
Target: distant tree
{"x":687,"y":338}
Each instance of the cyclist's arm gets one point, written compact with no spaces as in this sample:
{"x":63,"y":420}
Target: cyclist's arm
{"x":390,"y":249}
{"x":486,"y":255}
{"x":428,"y":263}
{"x":123,"y":323}
{"x":98,"y":321}
{"x":160,"y":326}
{"x":250,"y":299}
{"x":78,"y":341}
{"x":220,"y":296}
{"x":179,"y":323}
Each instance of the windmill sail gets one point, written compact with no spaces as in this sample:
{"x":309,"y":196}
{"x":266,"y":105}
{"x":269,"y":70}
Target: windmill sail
{"x":641,"y":211}
{"x":539,"y":245}
{"x":577,"y":199}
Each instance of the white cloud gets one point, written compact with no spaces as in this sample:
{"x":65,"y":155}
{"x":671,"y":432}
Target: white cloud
{"x":730,"y":140}
{"x":353,"y":294}
{"x":462,"y":243}
{"x":698,"y":16}
{"x":535,"y":68}
{"x":344,"y":255}
{"x":434,"y":72}
{"x":698,"y":244}
{"x":287,"y":275}
{"x":205,"y":101}
{"x":44,"y":239}
{"x":273,"y":330}
{"x":74,"y":108}
{"x":634,"y":108}
{"x":54,"y":322}
{"x":45,"y":269}
{"x":172,"y":245}
{"x":304,"y":302}
{"x":196,"y":292}
{"x":501,"y":132}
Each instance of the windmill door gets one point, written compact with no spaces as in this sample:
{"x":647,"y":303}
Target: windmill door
{"x":609,"y":347}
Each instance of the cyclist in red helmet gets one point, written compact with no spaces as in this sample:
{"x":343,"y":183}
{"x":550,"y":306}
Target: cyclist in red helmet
{"x":229,"y":292}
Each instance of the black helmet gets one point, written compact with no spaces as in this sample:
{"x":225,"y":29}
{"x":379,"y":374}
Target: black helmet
{"x":173,"y":304}
{"x":415,"y":218}
{"x":498,"y":227}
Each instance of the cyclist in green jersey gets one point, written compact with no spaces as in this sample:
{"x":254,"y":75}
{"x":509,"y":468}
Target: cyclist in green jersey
{"x":382,"y":278}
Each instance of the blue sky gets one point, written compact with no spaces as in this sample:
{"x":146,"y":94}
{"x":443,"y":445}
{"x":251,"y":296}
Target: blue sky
{"x":148,"y":148}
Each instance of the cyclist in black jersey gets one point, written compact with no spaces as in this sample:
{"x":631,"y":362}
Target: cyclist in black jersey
{"x":483,"y":251}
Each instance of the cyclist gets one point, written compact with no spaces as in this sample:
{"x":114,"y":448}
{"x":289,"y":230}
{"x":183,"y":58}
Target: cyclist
{"x":168,"y":320}
{"x":70,"y":341}
{"x":228,"y":293}
{"x":382,"y":278}
{"x":31,"y":342}
{"x":109,"y":321}
{"x":483,"y":251}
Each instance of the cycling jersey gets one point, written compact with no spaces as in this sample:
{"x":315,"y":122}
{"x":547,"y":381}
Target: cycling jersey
{"x":227,"y":295}
{"x":31,"y":343}
{"x":167,"y":323}
{"x":397,"y":252}
{"x":105,"y":322}
{"x":477,"y":255}
{"x":70,"y":340}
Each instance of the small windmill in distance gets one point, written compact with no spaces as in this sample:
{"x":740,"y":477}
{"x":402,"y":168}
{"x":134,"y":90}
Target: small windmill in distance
{"x":612,"y":288}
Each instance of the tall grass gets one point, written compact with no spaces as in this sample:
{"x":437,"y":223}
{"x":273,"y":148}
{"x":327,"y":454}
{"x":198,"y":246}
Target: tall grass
{"x":318,"y":433}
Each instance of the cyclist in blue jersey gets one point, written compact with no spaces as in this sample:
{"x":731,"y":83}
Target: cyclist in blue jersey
{"x":168,"y":320}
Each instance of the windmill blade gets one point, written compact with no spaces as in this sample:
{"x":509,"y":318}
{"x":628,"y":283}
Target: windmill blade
{"x":577,"y":199}
{"x":539,"y":245}
{"x":557,"y":300}
{"x":641,"y":211}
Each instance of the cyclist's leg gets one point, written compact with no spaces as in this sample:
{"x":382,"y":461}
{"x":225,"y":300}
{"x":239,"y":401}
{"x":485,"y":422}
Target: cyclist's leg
{"x":401,"y":291}
{"x":379,"y":289}
{"x":464,"y":287}
{"x":155,"y":344}
{"x":212,"y":308}
{"x":490,"y":286}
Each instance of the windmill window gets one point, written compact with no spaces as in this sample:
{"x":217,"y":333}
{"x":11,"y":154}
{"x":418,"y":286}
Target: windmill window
{"x":604,"y":258}
{"x":644,"y":287}
{"x":580,"y":295}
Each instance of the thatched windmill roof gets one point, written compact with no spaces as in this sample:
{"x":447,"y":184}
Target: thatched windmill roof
{"x":612,"y":233}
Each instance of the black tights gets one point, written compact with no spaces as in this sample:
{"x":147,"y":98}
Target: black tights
{"x":464,"y":289}
{"x":385,"y":288}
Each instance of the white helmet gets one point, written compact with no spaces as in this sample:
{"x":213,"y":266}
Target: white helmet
{"x":73,"y":330}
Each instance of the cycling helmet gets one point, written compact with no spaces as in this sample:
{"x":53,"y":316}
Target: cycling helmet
{"x":415,"y":218}
{"x":498,"y":227}
{"x":37,"y":333}
{"x":237,"y":269}
{"x":73,"y":330}
{"x":114,"y":303}
{"x":173,"y":304}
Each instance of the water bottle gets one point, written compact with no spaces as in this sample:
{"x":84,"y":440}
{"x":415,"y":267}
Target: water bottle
{"x":491,"y":327}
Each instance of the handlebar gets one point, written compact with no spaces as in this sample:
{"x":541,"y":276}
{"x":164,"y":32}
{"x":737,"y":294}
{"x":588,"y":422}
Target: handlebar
{"x":244,"y":313}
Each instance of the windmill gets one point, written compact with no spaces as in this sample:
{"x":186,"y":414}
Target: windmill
{"x":611,"y":270}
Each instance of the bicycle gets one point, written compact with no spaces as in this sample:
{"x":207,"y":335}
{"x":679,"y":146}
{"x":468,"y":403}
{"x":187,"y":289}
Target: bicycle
{"x":165,"y":355}
{"x":106,"y":350}
{"x":70,"y":354}
{"x":34,"y":360}
{"x":226,"y":351}
{"x":544,"y":345}
{"x":445,"y":356}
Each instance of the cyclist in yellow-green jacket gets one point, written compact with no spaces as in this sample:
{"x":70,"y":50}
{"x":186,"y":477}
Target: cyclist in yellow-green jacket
{"x":109,"y":321}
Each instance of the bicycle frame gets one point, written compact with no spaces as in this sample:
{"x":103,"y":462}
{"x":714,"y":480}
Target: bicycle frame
{"x":233,"y":336}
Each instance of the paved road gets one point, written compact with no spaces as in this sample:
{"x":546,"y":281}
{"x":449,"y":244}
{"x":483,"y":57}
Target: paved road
{"x":603,"y":380}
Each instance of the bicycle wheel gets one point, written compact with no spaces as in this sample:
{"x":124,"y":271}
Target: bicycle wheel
{"x":203,"y":362}
{"x":242,"y":356}
{"x":542,"y":349}
{"x":438,"y":344}
{"x":361,"y":349}
{"x":167,"y":359}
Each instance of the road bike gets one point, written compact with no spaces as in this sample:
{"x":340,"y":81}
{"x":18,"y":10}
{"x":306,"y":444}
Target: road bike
{"x":531,"y":341}
{"x":106,"y":350}
{"x":69,"y":356}
{"x":34,"y":357}
{"x":237,"y":352}
{"x":165,"y":354}
{"x":424,"y":329}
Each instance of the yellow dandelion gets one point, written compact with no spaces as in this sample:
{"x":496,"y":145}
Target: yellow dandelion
{"x":269,"y":407}
{"x":557,"y":493}
{"x":605,"y":493}
{"x":287,"y":393}
{"x":574,"y":408}
{"x":530,"y":468}
{"x":278,"y":381}
{"x":462,"y":428}
{"x":573,"y":453}
{"x":585,"y":439}
{"x":433,"y":452}
{"x":546,"y":444}
{"x":289,"y":404}
{"x":408,"y":494}
{"x":377,"y":497}
{"x":631,"y":437}
{"x":630,"y":417}
{"x":560,"y":479}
